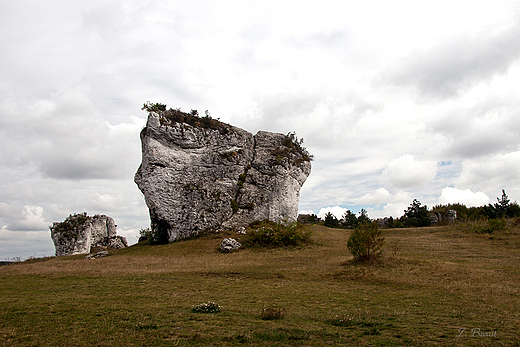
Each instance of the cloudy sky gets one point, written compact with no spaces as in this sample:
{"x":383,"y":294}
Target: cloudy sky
{"x":396,"y":100}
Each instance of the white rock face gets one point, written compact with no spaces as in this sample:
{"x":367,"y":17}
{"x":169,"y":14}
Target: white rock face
{"x":79,"y":233}
{"x":197,"y":178}
{"x":229,"y":245}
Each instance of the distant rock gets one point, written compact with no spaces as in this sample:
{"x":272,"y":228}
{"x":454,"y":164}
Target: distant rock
{"x":78,"y":233}
{"x":449,"y":216}
{"x":199,"y":174}
{"x":229,"y":245}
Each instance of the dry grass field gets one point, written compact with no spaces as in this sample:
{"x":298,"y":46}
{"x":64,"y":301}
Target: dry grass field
{"x":439,"y":286}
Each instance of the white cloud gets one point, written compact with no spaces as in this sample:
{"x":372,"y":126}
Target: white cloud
{"x":380,"y":196}
{"x":406,"y":172}
{"x":389,"y":205}
{"x":26,"y":244}
{"x":335,"y":210}
{"x":451,"y":195}
{"x":28,"y":218}
{"x":500,"y":171}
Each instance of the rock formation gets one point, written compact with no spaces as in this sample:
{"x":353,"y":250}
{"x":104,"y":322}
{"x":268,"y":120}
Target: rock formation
{"x":200,"y":174}
{"x":78,"y":233}
{"x":229,"y":245}
{"x":447,"y":217}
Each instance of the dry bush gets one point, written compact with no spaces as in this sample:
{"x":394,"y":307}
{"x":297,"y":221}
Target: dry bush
{"x":271,"y":313}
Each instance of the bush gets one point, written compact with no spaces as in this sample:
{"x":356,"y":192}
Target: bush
{"x":366,"y":242}
{"x":145,"y":234}
{"x":495,"y":225}
{"x":271,"y":313}
{"x":153,"y":107}
{"x":206,"y":307}
{"x":281,"y":234}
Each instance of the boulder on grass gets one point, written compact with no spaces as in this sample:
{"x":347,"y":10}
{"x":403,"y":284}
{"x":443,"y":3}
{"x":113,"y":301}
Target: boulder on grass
{"x":229,"y":245}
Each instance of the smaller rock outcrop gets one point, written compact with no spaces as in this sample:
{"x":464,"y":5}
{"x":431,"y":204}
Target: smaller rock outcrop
{"x":449,"y":216}
{"x":229,"y":245}
{"x":78,"y":233}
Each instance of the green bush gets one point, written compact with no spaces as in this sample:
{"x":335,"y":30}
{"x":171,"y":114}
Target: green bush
{"x":281,"y":234}
{"x":494,"y":225}
{"x":153,"y":107}
{"x":145,"y":234}
{"x":366,"y":242}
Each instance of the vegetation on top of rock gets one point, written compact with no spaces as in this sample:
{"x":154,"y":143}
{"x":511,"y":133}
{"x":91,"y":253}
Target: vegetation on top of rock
{"x":170,"y":116}
{"x":70,"y":226}
{"x":292,"y":149}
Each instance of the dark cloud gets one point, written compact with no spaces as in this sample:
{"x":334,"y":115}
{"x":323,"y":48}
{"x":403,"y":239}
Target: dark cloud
{"x":70,"y":140}
{"x":444,"y":69}
{"x":489,"y":126}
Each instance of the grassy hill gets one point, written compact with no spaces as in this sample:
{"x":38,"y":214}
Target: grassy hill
{"x":436,"y":286}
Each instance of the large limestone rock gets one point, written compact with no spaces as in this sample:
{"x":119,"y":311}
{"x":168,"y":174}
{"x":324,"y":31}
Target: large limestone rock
{"x":199,"y":174}
{"x":78,"y":233}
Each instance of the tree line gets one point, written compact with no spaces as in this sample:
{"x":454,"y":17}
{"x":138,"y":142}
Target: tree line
{"x":418,"y":215}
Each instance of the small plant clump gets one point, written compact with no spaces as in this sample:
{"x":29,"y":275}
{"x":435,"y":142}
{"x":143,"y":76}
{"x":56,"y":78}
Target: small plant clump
{"x":282,"y":234}
{"x":206,"y":307}
{"x":145,"y":234}
{"x":272,"y":313}
{"x":366,"y":242}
